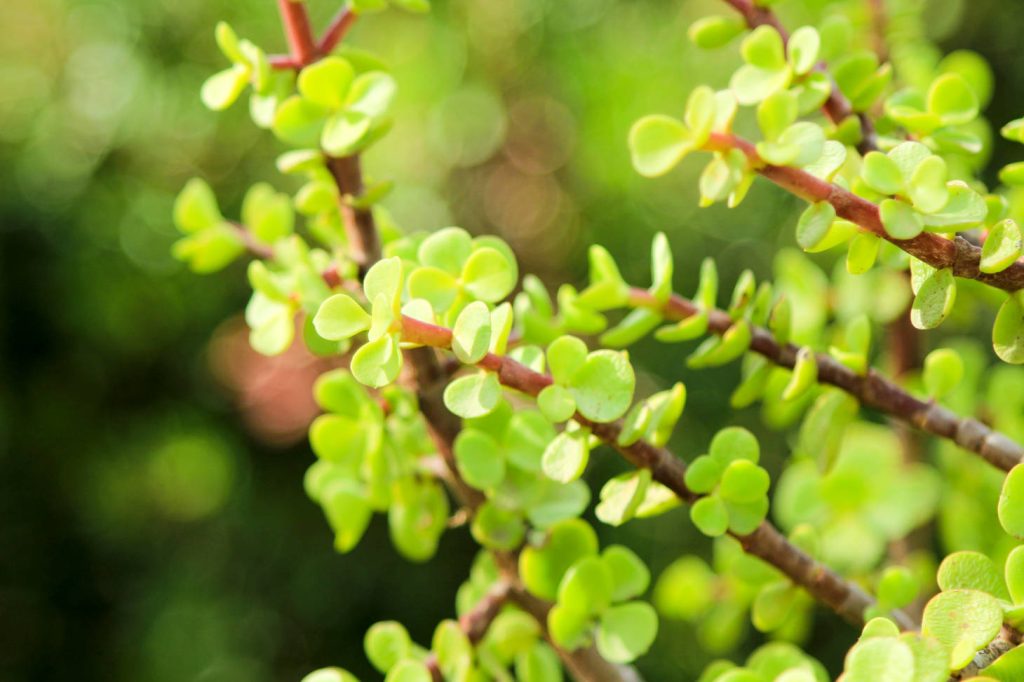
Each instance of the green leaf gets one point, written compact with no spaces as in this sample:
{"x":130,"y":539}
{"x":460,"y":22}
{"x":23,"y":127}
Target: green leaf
{"x":498,"y":529}
{"x":964,"y":621}
{"x":557,"y":502}
{"x":700,"y":115}
{"x":1002,"y":246}
{"x":378,"y":362}
{"x":927,"y":186}
{"x":342,"y":439}
{"x":803,"y":48}
{"x":566,"y":456}
{"x":934,"y":300}
{"x":330,"y":675}
{"x":196,"y":208}
{"x":386,"y":643}
{"x":863,"y":253}
{"x":1007,"y":668}
{"x":964,"y":210}
{"x":348,"y":513}
{"x":943,"y":371}
{"x":743,"y":481}
{"x":657,"y":144}
{"x":1014,"y":130}
{"x":488,"y":276}
{"x":385,"y":279}
{"x":719,"y":351}
{"x":814,"y":224}
{"x":344,"y":132}
{"x":971,"y":571}
{"x":543,"y":566}
{"x":732,"y":443}
{"x":539,"y":664}
{"x":447,"y":249}
{"x":417,"y":517}
{"x":227,"y":41}
{"x":881,"y":173}
{"x":474,"y":395}
{"x":712,"y":32}
{"x":372,"y":94}
{"x":471,"y":334}
{"x":776,"y":113}
{"x":409,"y":670}
{"x":587,"y":586}
{"x":340,"y":318}
{"x":479,"y":459}
{"x":607,"y":288}
{"x":633,"y":327}
{"x":897,"y":586}
{"x":566,"y":356}
{"x":880,"y":659}
{"x":703,"y":474}
{"x":1008,"y":331}
{"x":764,"y":48}
{"x":630,"y":575}
{"x":773,"y":605}
{"x":337,"y":391}
{"x":662,"y":267}
{"x":433,"y":285}
{"x":569,"y":627}
{"x":1011,"y":503}
{"x":627,"y":631}
{"x":299,"y":122}
{"x":556,"y":404}
{"x":222,"y":89}
{"x":900,"y":220}
{"x":326,"y":83}
{"x":952,"y":100}
{"x":300,"y":161}
{"x":268,"y":214}
{"x":272,"y":325}
{"x":622,"y":496}
{"x":1014,"y":574}
{"x":833,"y":158}
{"x":710,"y":515}
{"x":452,"y":648}
{"x":751,"y":84}
{"x":502,"y":319}
{"x":603,"y":386}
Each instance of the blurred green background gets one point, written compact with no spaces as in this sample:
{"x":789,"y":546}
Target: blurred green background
{"x":153,"y":525}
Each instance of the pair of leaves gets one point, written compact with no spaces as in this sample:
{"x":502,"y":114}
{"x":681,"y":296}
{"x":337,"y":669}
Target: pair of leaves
{"x":335,"y":110}
{"x":598,"y":385}
{"x":735,"y":489}
{"x":453,"y":266}
{"x":249,"y":65}
{"x":210,"y":243}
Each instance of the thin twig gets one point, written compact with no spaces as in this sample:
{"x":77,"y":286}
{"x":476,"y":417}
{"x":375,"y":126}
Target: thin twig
{"x":766,"y":542}
{"x":364,"y":242}
{"x":872,"y":389}
{"x":336,"y":30}
{"x":475,"y":622}
{"x":298,"y":31}
{"x":962,"y":257}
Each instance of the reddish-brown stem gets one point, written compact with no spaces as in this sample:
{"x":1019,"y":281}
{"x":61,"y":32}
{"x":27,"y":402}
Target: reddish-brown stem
{"x":836,"y":107}
{"x":475,"y":622}
{"x":962,"y":257}
{"x":298,"y":31}
{"x":283,"y":62}
{"x":766,"y":542}
{"x":336,"y":30}
{"x":360,"y":227}
{"x":872,"y":389}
